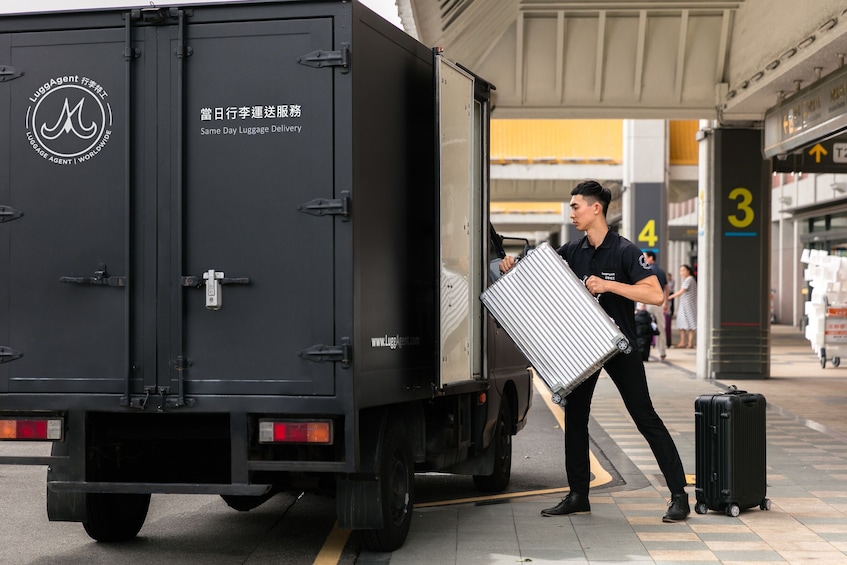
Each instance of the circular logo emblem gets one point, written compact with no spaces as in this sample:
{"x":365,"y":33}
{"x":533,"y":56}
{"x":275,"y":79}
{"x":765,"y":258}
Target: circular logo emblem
{"x":70,"y":120}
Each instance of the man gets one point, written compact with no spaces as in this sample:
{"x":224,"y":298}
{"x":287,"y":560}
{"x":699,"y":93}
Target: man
{"x":658,"y":311}
{"x":617,"y":272}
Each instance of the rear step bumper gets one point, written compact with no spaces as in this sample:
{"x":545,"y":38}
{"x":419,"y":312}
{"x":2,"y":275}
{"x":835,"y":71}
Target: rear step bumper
{"x":158,"y":488}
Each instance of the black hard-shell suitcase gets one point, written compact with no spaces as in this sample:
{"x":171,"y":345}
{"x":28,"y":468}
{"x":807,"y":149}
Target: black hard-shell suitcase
{"x":730,"y":452}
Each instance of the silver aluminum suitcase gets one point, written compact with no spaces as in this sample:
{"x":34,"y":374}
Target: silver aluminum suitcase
{"x":554,"y":320}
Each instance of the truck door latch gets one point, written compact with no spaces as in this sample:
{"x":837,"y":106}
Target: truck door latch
{"x":321,"y":353}
{"x":8,"y":354}
{"x":100,"y":278}
{"x":212,"y":281}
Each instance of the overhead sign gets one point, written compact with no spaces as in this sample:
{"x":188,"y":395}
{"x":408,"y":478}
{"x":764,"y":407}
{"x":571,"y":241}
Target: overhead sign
{"x":810,"y":115}
{"x":827,"y":156}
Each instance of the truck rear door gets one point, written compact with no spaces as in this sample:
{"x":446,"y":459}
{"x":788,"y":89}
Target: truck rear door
{"x":142,"y":157}
{"x":460,"y":218}
{"x":64,"y":235}
{"x":257,"y":145}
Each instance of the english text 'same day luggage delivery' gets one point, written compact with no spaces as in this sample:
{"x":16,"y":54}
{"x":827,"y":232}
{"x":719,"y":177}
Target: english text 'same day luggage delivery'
{"x":730,"y":452}
{"x":554,"y":320}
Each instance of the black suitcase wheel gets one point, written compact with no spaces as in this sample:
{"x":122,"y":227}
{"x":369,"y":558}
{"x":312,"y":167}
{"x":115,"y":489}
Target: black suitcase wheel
{"x":836,"y":361}
{"x":765,"y":504}
{"x":701,"y":508}
{"x":733,"y":510}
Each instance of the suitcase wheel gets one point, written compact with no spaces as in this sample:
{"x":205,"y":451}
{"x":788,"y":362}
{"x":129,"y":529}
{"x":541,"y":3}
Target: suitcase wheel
{"x":765,"y":504}
{"x":836,"y":361}
{"x":733,"y":510}
{"x":701,"y":508}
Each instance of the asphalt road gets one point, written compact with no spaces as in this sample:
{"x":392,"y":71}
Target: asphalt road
{"x":288,"y":529}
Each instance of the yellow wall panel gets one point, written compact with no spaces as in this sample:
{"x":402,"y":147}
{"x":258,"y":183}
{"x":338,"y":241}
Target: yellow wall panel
{"x":557,"y":140}
{"x":580,"y":141}
{"x":684,"y":148}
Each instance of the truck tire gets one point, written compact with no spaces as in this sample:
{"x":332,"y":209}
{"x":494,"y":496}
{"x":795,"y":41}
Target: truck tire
{"x":397,"y":492}
{"x":115,"y":517}
{"x":502,"y":444}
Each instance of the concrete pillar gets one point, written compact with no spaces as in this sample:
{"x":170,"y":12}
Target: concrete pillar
{"x":645,"y":180}
{"x":705,"y":249}
{"x":734,"y":267}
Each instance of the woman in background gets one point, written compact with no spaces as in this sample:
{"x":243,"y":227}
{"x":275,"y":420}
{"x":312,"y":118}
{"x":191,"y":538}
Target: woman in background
{"x":686,"y":317}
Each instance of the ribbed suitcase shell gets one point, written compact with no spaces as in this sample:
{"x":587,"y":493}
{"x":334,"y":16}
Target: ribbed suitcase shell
{"x":553,"y":319}
{"x":730,"y":452}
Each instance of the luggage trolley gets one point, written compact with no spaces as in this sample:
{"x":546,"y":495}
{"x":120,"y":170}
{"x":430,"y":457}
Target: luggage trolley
{"x":834,"y":333}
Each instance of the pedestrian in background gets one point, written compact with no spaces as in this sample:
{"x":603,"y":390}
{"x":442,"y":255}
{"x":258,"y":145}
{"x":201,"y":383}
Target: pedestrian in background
{"x":658,"y":310}
{"x":686,"y":319}
{"x":670,"y":311}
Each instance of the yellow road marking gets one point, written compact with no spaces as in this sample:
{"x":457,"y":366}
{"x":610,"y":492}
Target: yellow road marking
{"x":330,"y":553}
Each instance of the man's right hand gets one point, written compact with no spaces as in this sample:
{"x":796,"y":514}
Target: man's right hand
{"x":507,"y":263}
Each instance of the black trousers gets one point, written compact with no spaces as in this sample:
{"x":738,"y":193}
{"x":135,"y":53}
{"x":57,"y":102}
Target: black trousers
{"x":627,"y":372}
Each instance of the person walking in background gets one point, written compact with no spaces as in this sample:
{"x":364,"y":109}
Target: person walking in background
{"x":686,"y":318}
{"x":615,"y":271}
{"x":658,"y":310}
{"x":671,"y":290}
{"x":670,"y":310}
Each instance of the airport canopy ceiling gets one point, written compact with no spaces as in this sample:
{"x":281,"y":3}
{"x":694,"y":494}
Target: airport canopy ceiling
{"x":661,"y":59}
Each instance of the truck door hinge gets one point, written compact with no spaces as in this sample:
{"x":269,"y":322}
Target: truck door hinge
{"x":8,"y":354}
{"x":182,"y":363}
{"x":8,"y":73}
{"x":158,"y":16}
{"x":100,"y":278}
{"x":322,"y":353}
{"x":328,"y":206}
{"x":319,"y":58}
{"x":7,"y":214}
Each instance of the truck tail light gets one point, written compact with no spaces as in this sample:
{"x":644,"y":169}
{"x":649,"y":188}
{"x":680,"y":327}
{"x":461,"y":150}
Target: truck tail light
{"x":295,"y":431}
{"x":31,"y":429}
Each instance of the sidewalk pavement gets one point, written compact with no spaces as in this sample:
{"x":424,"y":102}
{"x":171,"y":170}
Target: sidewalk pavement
{"x":807,"y":484}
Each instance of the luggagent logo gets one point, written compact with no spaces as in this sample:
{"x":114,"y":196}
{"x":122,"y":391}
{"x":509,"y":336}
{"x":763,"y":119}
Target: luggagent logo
{"x":70,"y":120}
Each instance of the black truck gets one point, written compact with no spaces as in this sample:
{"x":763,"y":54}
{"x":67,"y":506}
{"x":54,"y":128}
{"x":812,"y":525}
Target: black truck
{"x":242,"y":250}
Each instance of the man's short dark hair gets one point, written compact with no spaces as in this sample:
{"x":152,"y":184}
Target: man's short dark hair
{"x":593,"y":191}
{"x":650,"y":254}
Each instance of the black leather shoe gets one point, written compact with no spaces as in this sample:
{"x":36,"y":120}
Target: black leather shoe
{"x":573,"y":503}
{"x":678,"y":508}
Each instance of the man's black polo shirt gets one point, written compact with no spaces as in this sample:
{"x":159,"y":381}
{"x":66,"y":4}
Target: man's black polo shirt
{"x":617,"y":259}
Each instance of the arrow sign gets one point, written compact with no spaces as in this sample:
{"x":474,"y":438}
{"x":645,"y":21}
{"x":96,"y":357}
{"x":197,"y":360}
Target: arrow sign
{"x":817,"y":151}
{"x":825,"y":156}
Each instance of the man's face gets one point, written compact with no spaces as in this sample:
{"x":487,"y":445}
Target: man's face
{"x":649,"y":259}
{"x":583,"y":212}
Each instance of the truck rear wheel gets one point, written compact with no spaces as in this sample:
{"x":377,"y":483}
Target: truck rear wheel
{"x":115,"y":517}
{"x":397,"y":490}
{"x":502,"y":444}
